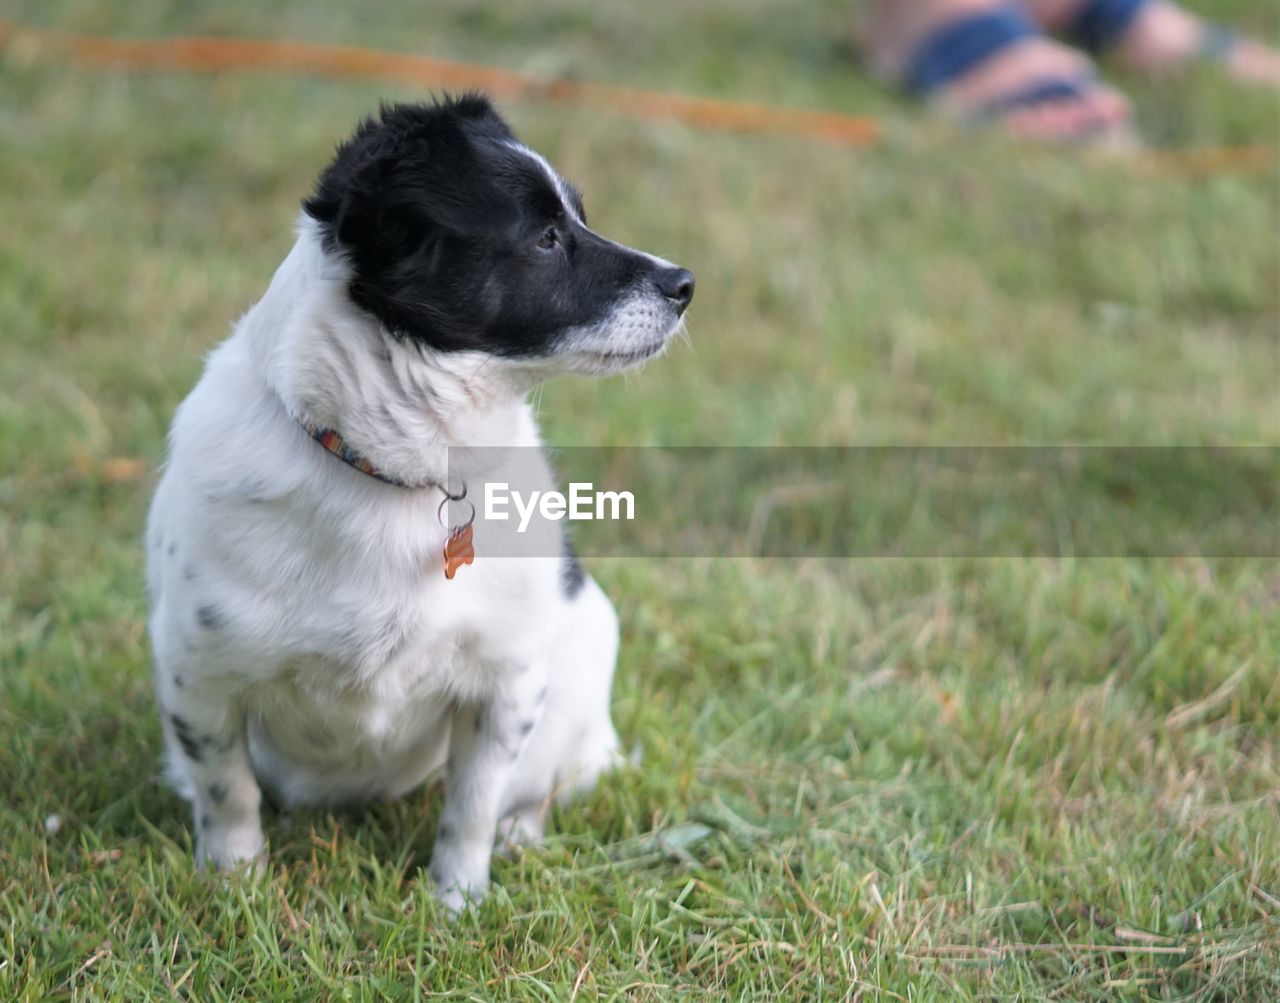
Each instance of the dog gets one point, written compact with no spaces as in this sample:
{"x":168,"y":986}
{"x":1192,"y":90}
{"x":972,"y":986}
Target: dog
{"x":306,"y":638}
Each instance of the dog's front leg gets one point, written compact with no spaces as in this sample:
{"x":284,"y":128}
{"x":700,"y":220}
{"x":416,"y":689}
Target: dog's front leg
{"x":207,"y":745}
{"x":485,"y":741}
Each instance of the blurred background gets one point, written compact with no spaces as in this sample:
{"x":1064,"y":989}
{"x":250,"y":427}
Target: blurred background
{"x":961,"y":736}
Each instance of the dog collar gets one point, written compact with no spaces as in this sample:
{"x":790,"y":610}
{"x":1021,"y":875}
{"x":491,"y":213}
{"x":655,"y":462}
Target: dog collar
{"x":337,"y":445}
{"x":458,"y":546}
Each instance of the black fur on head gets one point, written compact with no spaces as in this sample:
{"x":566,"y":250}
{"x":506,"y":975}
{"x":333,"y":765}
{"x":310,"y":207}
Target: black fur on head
{"x":460,"y":238}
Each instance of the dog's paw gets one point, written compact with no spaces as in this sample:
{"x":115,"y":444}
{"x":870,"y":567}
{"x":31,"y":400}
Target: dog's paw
{"x":459,"y":881}
{"x":455,"y":899}
{"x":232,"y":848}
{"x":522,"y":827}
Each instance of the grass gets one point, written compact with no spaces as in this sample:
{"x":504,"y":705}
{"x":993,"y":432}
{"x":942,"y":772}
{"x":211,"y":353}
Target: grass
{"x":932,"y":779}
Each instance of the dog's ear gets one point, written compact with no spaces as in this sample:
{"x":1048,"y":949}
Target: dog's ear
{"x":357,"y":222}
{"x":408,"y":171}
{"x":358,"y":215}
{"x":412,"y":197}
{"x":374,"y":215}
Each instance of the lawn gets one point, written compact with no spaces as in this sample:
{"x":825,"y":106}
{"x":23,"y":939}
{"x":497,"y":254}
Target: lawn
{"x":893,"y":779}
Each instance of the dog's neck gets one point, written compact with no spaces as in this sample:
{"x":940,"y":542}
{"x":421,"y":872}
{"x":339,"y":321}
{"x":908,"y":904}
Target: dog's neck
{"x":401,"y":406}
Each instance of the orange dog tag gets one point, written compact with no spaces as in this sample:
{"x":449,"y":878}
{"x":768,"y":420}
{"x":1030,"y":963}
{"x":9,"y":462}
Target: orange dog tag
{"x":458,"y":551}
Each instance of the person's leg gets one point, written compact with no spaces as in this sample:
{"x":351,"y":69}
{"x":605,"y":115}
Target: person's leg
{"x":898,"y":37}
{"x":1158,"y":35}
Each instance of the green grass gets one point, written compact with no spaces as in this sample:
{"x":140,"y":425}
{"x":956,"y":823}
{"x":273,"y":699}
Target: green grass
{"x":906,"y":779}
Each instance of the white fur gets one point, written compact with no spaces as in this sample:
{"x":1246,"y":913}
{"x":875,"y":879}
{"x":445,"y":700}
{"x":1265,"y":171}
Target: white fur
{"x":303,"y":630}
{"x":557,"y":182}
{"x":636,"y":329}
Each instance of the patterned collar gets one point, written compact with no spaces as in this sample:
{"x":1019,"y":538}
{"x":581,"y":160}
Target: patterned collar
{"x":459,"y":545}
{"x":337,"y":445}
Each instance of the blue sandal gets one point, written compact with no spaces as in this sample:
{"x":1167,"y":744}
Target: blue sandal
{"x":1100,"y":24}
{"x":959,"y":47}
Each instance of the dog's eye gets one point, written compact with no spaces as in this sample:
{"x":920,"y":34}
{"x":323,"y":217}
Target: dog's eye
{"x":549,"y":239}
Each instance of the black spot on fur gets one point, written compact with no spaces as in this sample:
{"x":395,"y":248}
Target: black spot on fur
{"x":190,"y":747}
{"x":572,"y":575}
{"x":526,"y":727}
{"x":179,"y":682}
{"x":192,"y":743}
{"x":209,"y":617}
{"x":217,"y":793}
{"x":172,"y":550}
{"x":205,"y":821}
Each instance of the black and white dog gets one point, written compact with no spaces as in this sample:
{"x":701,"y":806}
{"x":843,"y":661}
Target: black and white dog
{"x":305,"y":635}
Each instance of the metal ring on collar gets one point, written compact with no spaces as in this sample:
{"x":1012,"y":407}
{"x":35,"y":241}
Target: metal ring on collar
{"x":462,"y":497}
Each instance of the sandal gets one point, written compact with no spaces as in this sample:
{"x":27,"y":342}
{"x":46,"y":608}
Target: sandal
{"x":962,"y":45}
{"x":1100,"y":24}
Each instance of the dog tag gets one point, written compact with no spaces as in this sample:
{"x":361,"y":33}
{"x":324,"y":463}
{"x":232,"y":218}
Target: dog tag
{"x":458,"y":550}
{"x":458,"y":547}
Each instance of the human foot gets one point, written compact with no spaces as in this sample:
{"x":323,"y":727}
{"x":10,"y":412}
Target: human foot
{"x":1156,"y":36}
{"x":983,"y":60}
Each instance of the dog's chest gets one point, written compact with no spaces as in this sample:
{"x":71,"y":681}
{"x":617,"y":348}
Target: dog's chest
{"x":378,"y":632}
{"x":319,"y":708}
{"x":368,"y":696}
{"x":332,"y":607}
{"x":396,"y":635}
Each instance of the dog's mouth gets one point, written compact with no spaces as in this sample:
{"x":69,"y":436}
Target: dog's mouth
{"x":635,"y":332}
{"x":604,"y":362}
{"x":630,"y":357}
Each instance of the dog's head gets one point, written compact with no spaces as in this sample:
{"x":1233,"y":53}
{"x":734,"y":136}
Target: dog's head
{"x":462,"y":239}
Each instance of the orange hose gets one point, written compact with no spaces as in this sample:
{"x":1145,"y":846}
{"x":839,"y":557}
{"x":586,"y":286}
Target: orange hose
{"x":346,"y":61}
{"x":1205,"y":161}
{"x":215,"y":54}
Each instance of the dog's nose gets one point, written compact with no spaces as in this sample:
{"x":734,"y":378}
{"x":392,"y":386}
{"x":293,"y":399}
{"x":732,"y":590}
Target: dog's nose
{"x":676,"y":284}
